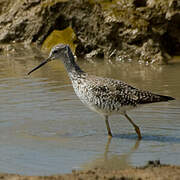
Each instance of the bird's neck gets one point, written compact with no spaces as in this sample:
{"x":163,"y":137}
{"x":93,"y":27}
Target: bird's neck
{"x":71,"y":66}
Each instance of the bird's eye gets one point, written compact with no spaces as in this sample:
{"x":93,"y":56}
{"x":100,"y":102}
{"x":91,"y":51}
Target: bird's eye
{"x":55,"y":51}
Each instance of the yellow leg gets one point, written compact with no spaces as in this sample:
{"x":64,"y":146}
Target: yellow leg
{"x":108,"y":126}
{"x":135,"y":126}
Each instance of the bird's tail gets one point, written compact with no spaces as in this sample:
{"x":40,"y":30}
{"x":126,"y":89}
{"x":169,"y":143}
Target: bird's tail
{"x":153,"y":98}
{"x":165,"y":98}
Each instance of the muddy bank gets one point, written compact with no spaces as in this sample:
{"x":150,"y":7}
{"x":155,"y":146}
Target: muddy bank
{"x":151,"y":171}
{"x":146,"y":30}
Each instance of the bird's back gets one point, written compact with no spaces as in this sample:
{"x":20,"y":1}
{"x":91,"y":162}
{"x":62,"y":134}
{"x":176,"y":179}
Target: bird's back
{"x":110,"y":96}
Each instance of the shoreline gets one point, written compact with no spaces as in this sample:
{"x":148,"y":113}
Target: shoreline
{"x":153,"y":170}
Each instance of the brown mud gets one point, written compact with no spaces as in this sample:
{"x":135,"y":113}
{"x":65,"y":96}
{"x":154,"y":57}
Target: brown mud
{"x":152,"y":171}
{"x":146,"y":30}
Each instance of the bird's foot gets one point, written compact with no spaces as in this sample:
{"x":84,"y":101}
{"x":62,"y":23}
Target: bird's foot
{"x":138,"y":132}
{"x":110,"y":134}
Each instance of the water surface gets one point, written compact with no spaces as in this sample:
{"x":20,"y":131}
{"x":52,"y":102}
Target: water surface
{"x":45,"y":129}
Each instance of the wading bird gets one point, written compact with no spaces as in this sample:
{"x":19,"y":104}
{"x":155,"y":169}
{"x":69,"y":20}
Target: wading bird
{"x":103,"y":95}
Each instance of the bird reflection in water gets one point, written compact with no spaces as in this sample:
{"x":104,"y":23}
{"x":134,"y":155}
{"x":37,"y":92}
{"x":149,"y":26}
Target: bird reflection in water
{"x":112,"y":161}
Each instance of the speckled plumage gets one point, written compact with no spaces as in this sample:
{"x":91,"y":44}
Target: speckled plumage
{"x":103,"y":95}
{"x":109,"y":96}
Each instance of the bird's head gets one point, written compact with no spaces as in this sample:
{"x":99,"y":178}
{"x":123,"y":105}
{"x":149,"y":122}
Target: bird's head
{"x":59,"y":51}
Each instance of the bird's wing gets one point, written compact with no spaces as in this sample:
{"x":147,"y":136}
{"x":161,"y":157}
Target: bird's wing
{"x":123,"y":93}
{"x":114,"y":91}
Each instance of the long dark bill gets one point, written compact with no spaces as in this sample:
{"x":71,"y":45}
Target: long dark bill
{"x":37,"y":67}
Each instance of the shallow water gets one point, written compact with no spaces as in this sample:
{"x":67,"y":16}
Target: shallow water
{"x":45,"y":129}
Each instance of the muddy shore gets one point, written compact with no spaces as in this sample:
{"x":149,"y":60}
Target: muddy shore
{"x":145,"y":30}
{"x":151,"y":171}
